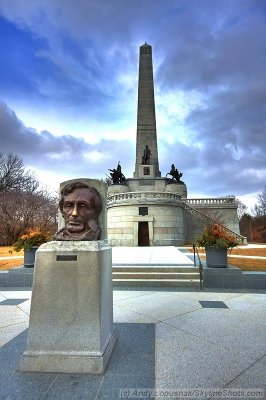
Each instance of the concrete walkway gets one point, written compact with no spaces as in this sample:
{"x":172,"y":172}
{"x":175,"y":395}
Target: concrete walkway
{"x":171,"y":341}
{"x":236,"y":256}
{"x":160,"y":255}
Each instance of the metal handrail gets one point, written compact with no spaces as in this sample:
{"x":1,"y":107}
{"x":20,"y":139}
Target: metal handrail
{"x":195,"y":251}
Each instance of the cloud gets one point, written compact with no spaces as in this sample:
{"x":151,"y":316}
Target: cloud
{"x":79,"y":62}
{"x":221,"y":47}
{"x":60,"y":154}
{"x":232,"y":130}
{"x":64,"y":57}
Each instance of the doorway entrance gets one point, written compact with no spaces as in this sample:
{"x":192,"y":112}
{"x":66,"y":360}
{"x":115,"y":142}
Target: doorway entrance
{"x":143,"y":234}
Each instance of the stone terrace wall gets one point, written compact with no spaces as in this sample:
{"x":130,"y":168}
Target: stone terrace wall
{"x":165,"y":217}
{"x":223,"y":209}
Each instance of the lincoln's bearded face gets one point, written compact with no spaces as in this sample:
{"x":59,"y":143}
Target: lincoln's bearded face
{"x":78,"y":209}
{"x":80,"y":206}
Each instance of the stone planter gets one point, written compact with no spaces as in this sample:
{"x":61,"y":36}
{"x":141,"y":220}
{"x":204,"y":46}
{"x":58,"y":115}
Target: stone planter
{"x":29,"y":257}
{"x":216,"y":258}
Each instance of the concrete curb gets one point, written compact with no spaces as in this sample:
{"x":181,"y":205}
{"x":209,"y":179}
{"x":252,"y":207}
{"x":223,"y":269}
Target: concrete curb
{"x":17,"y":277}
{"x":233,"y":278}
{"x":226,"y":278}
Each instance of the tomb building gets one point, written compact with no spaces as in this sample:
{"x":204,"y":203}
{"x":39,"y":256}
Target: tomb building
{"x":151,"y":210}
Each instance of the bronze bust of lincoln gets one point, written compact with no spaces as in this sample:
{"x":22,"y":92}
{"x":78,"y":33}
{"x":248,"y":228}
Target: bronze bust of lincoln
{"x":80,"y":206}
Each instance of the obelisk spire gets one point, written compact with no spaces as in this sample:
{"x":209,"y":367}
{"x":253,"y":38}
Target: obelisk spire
{"x":147,"y":164}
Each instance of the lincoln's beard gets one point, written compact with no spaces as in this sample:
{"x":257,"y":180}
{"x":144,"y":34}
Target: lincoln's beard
{"x":79,"y":231}
{"x":75,"y":226}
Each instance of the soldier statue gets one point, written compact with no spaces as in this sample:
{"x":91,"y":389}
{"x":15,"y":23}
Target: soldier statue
{"x":116,"y":175}
{"x":147,"y":155}
{"x":176,"y":175}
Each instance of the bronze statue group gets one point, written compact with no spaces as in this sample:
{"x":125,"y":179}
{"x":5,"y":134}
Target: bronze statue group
{"x":118,"y":177}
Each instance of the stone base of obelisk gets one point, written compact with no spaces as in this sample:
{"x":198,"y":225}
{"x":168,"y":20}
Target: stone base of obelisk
{"x":71,"y":317}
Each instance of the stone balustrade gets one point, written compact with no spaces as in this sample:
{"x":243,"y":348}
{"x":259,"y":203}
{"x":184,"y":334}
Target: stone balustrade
{"x":119,"y":198}
{"x":132,"y":197}
{"x":211,"y":201}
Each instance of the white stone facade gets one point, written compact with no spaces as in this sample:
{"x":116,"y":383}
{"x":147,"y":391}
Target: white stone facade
{"x":165,"y":224}
{"x":167,"y":218}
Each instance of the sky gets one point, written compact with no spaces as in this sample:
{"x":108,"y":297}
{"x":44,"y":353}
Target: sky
{"x":68,"y":89}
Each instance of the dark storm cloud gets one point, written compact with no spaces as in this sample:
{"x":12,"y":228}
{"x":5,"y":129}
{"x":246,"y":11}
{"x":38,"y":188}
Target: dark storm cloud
{"x":214,"y":49}
{"x":200,"y":42}
{"x":222,"y":57}
{"x":15,"y":137}
{"x":221,"y":43}
{"x":232,"y":133}
{"x":63,"y":154}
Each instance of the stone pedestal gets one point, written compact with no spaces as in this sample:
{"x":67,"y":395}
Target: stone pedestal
{"x":178,"y":188}
{"x":147,"y":171}
{"x":71,"y":318}
{"x":117,"y":188}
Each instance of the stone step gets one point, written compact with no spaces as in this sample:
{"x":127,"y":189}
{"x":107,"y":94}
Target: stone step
{"x":195,"y":283}
{"x":155,"y":275}
{"x":189,"y":264}
{"x":154,"y":268}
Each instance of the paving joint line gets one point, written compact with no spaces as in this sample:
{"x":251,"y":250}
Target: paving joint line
{"x":138,"y":313}
{"x":98,"y":391}
{"x":143,"y":315}
{"x":241,"y":373}
{"x":179,"y":315}
{"x":215,"y":343}
{"x":132,"y":297}
{"x":52,"y":383}
{"x":234,"y":297}
{"x":25,"y":312}
{"x":15,"y":323}
{"x":159,"y":320}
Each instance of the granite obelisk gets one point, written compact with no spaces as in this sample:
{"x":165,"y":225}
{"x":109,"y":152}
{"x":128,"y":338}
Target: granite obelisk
{"x":146,"y":120}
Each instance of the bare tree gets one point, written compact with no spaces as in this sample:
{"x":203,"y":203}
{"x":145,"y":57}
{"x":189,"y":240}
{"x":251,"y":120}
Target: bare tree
{"x":20,"y":211}
{"x":241,"y":209}
{"x":259,"y":219}
{"x":23,"y":204}
{"x":246,"y":223}
{"x":261,"y":206}
{"x":13,"y":174}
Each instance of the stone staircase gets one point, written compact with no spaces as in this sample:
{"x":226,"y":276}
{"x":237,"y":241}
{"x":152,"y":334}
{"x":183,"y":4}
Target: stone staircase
{"x":189,"y":209}
{"x":153,"y":266}
{"x":174,"y":276}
